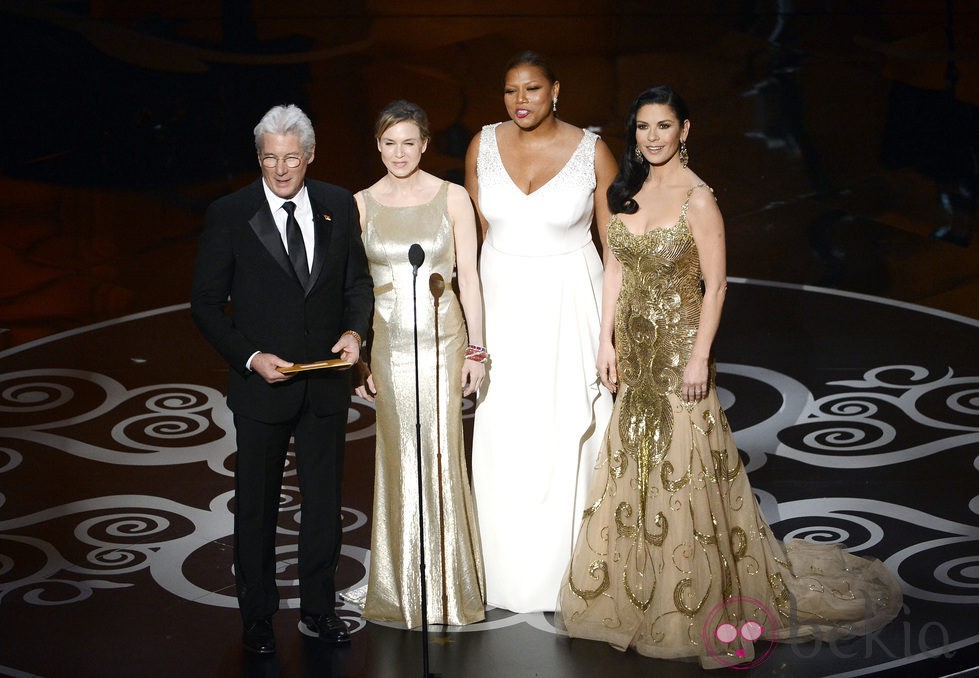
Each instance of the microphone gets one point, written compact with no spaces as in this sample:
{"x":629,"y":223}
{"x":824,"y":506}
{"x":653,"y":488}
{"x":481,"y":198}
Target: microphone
{"x":436,"y":285}
{"x":416,"y":255}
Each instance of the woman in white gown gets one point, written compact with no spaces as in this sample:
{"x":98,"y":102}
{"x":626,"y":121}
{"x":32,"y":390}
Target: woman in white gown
{"x":537,"y":182}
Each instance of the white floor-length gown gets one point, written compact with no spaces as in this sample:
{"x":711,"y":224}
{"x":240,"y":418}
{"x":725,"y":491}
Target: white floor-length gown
{"x":543,"y":411}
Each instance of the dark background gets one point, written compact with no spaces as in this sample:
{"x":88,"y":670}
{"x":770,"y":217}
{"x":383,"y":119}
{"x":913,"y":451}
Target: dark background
{"x":840,"y":136}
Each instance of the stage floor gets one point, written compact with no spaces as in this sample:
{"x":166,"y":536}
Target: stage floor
{"x":116,"y":531}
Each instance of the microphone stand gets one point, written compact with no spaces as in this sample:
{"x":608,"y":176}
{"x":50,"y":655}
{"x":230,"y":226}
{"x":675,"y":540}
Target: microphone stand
{"x":416,"y":255}
{"x":436,"y":283}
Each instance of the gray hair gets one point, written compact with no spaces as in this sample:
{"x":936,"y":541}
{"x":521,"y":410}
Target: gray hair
{"x":288,"y":119}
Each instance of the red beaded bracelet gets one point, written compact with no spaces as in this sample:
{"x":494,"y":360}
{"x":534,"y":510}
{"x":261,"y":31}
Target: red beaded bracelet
{"x":476,"y":353}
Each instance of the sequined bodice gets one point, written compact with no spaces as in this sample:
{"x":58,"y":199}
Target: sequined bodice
{"x":658,"y":309}
{"x":656,"y":319}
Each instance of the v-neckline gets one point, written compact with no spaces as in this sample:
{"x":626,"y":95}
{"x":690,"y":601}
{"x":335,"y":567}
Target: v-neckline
{"x":496,"y":143}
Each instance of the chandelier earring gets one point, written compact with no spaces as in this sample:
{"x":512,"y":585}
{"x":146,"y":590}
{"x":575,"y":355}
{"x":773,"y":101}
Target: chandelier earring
{"x":684,"y":156}
{"x":554,"y":105}
{"x":639,"y":155}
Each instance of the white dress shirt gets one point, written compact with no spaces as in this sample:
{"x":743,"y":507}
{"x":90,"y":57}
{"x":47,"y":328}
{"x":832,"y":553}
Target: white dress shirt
{"x":304,"y":215}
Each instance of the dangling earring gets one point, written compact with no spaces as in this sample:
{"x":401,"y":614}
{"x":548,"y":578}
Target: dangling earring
{"x":554,"y":105}
{"x":684,"y":156}
{"x":639,"y":155}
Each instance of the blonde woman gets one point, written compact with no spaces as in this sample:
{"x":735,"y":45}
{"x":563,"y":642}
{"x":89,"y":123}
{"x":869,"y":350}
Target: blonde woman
{"x":404,"y":207}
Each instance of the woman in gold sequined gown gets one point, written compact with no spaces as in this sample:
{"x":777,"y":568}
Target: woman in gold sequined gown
{"x":673,"y":557}
{"x":404,"y":207}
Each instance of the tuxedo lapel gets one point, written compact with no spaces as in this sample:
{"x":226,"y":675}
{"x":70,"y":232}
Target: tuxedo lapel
{"x":323,"y":228}
{"x":264,"y":227}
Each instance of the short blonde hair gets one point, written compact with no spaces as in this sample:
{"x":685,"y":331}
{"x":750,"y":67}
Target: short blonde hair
{"x":401,"y":111}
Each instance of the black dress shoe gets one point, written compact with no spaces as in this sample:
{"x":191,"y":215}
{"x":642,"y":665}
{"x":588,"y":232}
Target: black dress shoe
{"x":327,"y":627}
{"x":259,"y":637}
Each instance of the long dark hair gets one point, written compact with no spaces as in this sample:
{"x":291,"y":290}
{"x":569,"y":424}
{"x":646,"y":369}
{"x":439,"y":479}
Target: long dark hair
{"x":634,"y":170}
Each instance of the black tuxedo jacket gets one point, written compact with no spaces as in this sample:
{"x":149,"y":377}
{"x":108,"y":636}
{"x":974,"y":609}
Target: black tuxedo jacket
{"x":241,"y":257}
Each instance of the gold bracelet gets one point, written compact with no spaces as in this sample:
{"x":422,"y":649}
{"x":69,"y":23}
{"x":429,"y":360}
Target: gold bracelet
{"x":360,"y":342}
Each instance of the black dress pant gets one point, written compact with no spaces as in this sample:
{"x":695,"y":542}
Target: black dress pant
{"x":261,"y":456}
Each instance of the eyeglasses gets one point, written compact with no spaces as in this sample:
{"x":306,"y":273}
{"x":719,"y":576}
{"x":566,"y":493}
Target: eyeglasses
{"x":272,"y":161}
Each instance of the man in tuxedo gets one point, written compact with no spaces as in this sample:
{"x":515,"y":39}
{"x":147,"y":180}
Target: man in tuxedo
{"x":287,"y":252}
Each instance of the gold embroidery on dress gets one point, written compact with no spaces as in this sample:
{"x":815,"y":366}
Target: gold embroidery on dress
{"x":779,"y":590}
{"x":683,"y":590}
{"x":721,"y":469}
{"x":618,"y":464}
{"x":709,"y":420}
{"x":727,"y":579}
{"x":666,"y":470}
{"x":641,"y":604}
{"x":599,"y":567}
{"x":739,"y":543}
{"x":661,"y":279}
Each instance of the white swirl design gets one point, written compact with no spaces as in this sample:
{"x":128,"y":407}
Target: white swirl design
{"x":120,"y":538}
{"x":837,"y":426}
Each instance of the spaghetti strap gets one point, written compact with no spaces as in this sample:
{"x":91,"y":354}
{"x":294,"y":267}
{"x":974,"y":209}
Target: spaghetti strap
{"x":683,"y":210}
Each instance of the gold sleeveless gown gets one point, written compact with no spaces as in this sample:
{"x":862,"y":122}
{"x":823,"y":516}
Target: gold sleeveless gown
{"x":453,"y":562}
{"x":673,"y":556}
